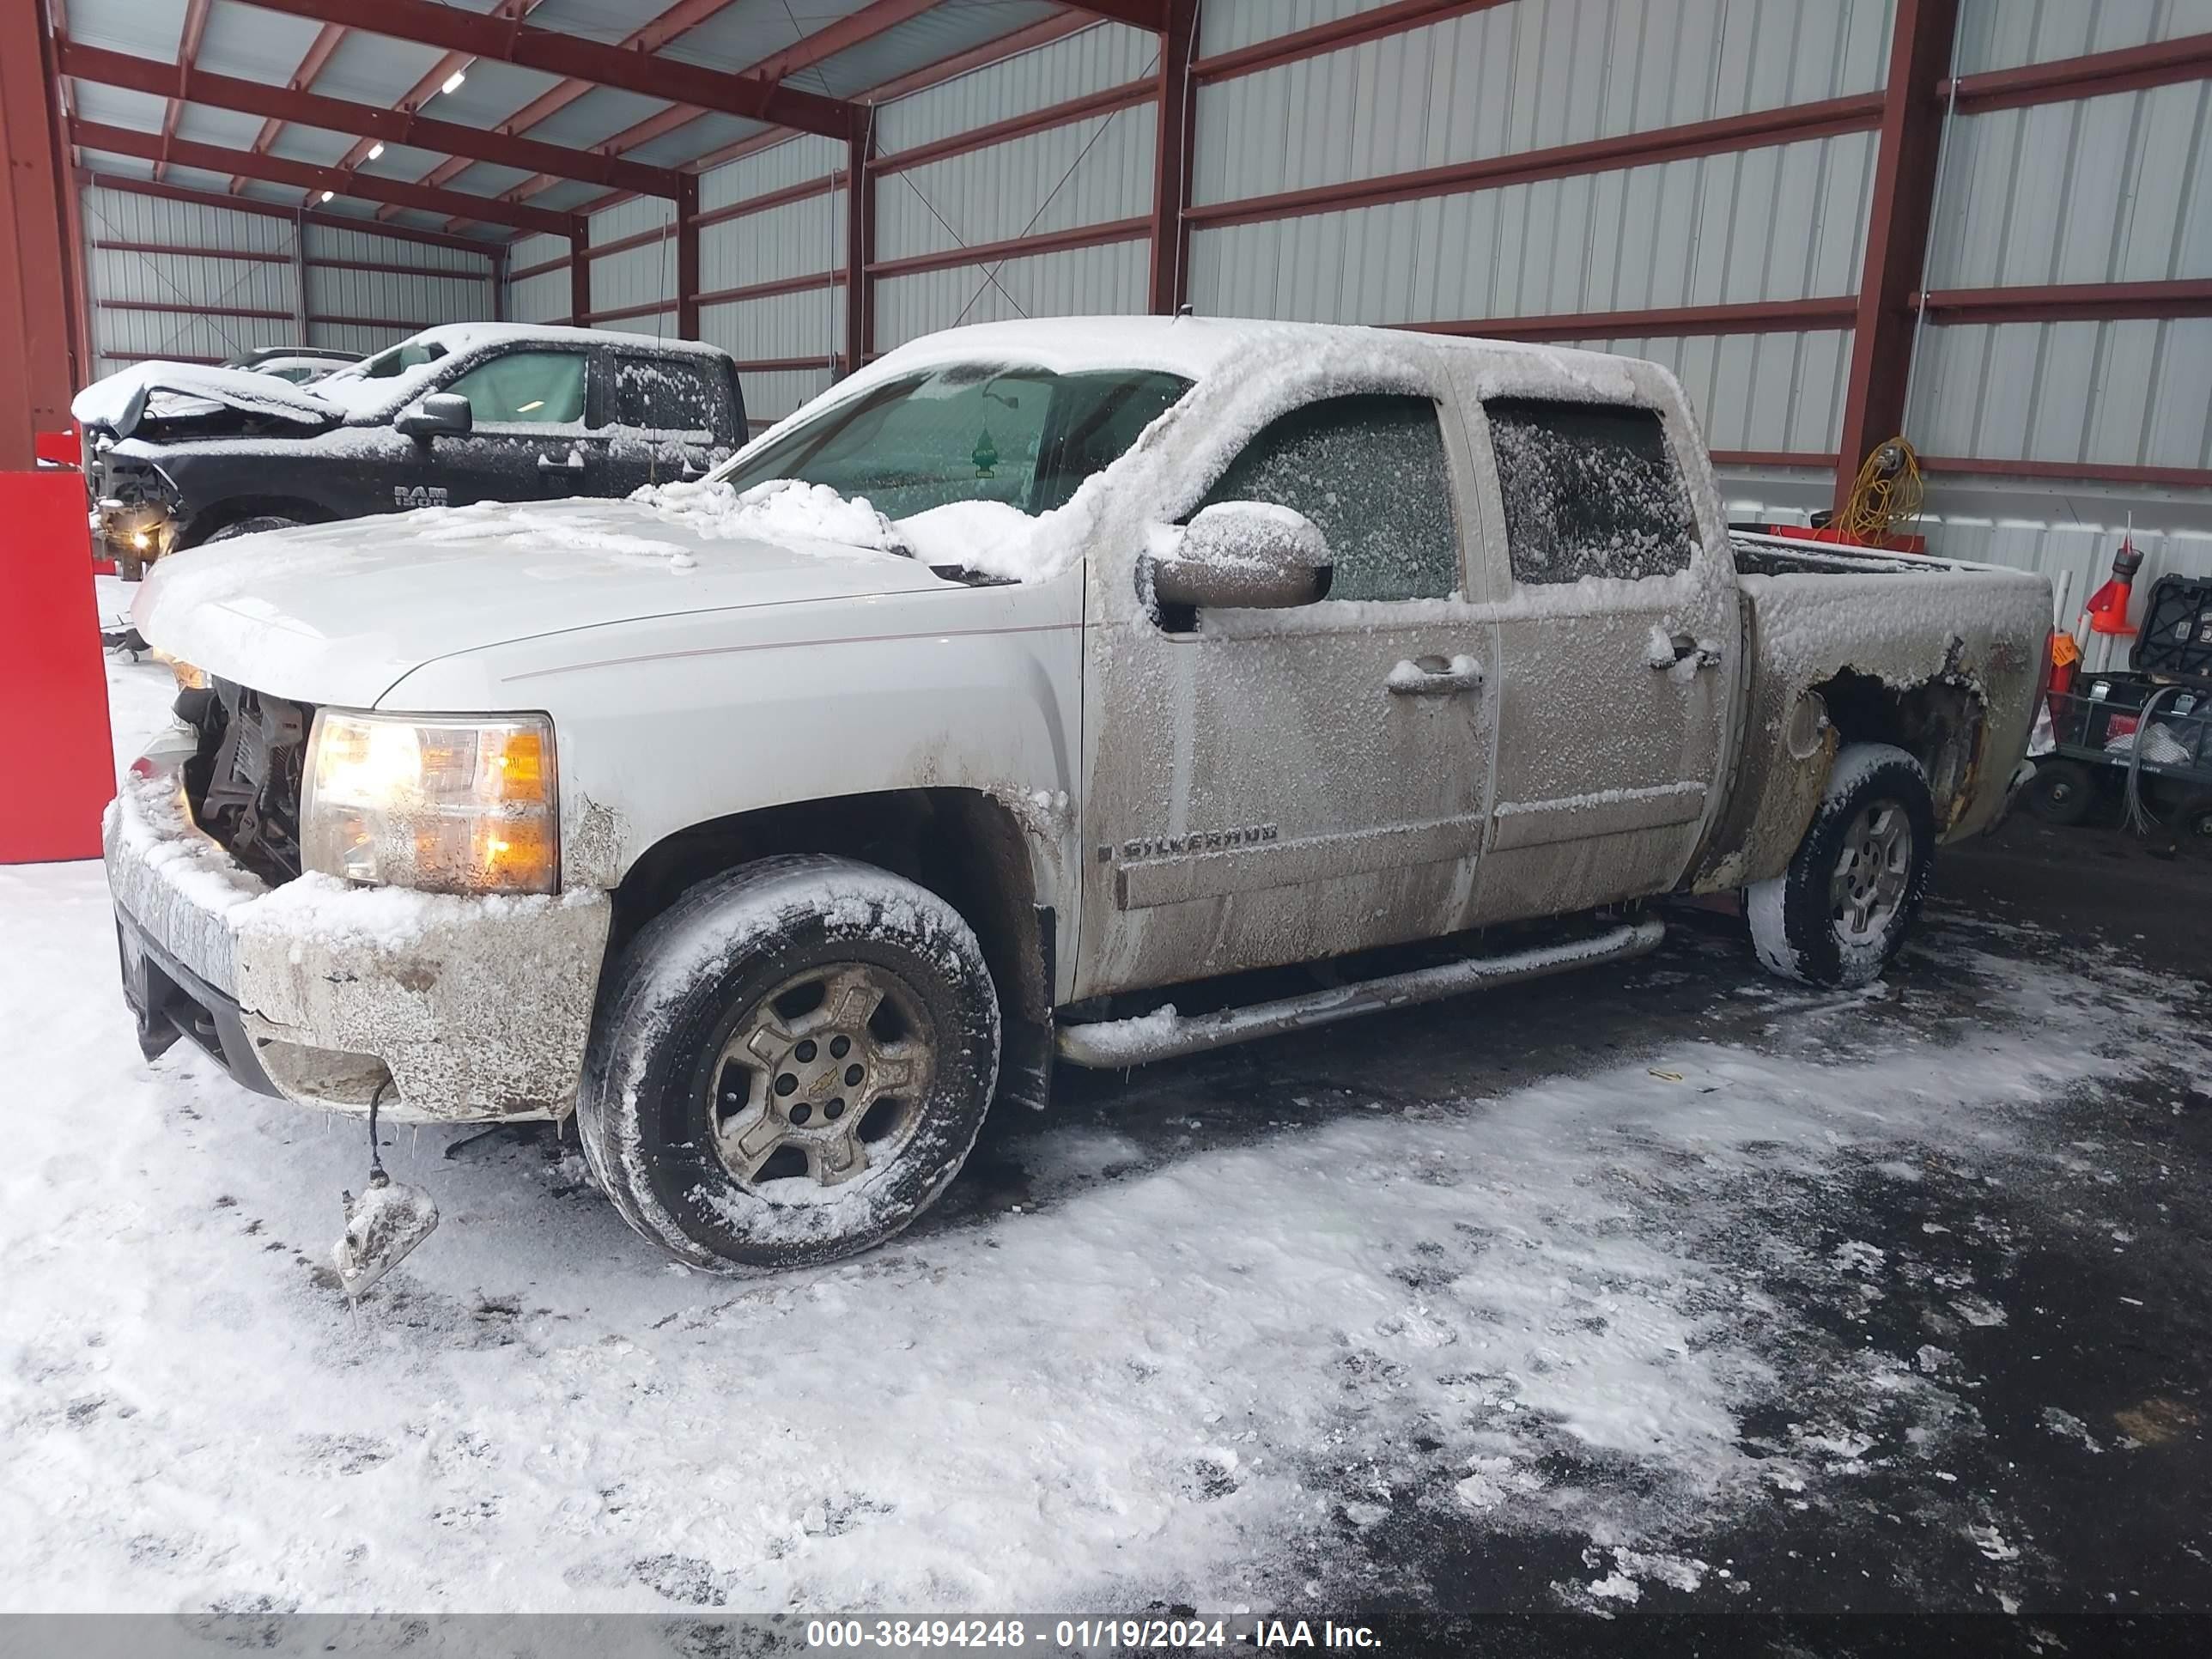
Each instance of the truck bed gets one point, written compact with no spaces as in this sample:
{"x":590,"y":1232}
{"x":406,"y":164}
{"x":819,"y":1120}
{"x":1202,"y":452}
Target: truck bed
{"x":1785,"y":555}
{"x":1940,"y":657}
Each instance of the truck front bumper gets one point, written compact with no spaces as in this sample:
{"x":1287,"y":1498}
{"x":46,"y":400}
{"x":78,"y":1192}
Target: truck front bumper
{"x":471,"y":1009}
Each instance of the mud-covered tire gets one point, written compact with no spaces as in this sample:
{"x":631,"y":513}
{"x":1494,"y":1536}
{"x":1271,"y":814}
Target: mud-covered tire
{"x":702,"y":1022}
{"x":247,"y":527}
{"x":1840,"y":913}
{"x":2061,"y":791}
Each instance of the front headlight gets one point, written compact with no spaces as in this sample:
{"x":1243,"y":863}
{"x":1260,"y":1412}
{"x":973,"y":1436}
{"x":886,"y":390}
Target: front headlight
{"x":447,"y":804}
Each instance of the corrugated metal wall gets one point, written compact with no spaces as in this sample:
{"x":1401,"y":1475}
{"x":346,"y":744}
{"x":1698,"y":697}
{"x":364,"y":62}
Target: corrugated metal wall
{"x":805,"y":238}
{"x":358,"y":310}
{"x":2103,"y":190}
{"x":344,"y":308}
{"x":635,"y":277}
{"x":1092,"y":171}
{"x":543,"y":298}
{"x":1781,"y":223}
{"x":267,"y":283}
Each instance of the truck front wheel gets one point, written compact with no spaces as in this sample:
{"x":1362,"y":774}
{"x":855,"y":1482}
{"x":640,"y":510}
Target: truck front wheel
{"x":789,"y":1064}
{"x":1839,"y":914}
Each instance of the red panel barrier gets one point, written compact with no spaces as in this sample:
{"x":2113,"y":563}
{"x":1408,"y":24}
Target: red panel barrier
{"x":58,"y":448}
{"x":56,"y":752}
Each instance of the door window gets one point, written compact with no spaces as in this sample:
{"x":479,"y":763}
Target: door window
{"x":1590,"y":489}
{"x":525,"y":388}
{"x":1370,"y":472}
{"x":662,"y":394}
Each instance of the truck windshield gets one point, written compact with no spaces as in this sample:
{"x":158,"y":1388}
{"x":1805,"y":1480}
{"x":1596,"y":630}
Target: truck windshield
{"x":968,"y":432}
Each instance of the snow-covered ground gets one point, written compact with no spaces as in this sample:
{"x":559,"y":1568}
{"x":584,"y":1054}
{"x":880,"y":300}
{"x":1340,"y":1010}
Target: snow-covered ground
{"x":1197,"y":1353}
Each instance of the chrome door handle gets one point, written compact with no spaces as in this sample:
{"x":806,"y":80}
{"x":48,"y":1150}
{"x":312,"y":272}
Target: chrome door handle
{"x":1435,"y":676}
{"x":573,"y":464}
{"x":1684,"y":648}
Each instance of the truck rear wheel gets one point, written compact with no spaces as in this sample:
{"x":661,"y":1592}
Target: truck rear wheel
{"x":1839,"y":914}
{"x":789,"y":1064}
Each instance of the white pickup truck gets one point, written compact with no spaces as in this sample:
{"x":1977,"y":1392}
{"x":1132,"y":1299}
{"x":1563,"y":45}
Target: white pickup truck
{"x":1055,"y":688}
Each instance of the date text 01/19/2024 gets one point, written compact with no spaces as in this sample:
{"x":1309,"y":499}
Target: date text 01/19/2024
{"x":1088,"y":1634}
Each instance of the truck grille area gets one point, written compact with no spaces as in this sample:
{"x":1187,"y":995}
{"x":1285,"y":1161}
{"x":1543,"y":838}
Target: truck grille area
{"x":244,"y":781}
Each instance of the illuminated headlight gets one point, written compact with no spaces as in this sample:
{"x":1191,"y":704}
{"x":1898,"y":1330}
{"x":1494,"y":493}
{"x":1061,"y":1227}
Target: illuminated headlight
{"x":145,"y":528}
{"x":445,"y":805}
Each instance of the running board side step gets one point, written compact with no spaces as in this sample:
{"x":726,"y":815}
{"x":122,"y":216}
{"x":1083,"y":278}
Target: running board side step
{"x":1165,"y":1035}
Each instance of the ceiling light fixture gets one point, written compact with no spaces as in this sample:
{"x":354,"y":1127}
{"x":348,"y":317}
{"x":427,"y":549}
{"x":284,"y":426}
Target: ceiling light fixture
{"x":376,"y":149}
{"x":454,"y":81}
{"x":328,"y":194}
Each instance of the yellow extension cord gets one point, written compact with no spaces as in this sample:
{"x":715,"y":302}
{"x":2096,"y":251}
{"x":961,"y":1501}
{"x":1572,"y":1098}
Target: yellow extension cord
{"x":1888,"y":492}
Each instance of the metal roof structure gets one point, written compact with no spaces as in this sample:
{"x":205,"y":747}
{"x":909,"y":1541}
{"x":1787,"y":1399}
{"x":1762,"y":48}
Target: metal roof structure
{"x":488,"y":119}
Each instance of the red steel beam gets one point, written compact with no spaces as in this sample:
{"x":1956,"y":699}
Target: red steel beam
{"x":687,"y":260}
{"x":1810,"y":462}
{"x":1897,"y":233}
{"x":396,"y":126}
{"x":37,"y":331}
{"x":623,"y":314}
{"x":1102,"y":103}
{"x":1176,"y":93}
{"x":774,"y":286}
{"x":1012,"y":44}
{"x":1138,"y":14}
{"x":166,"y":357}
{"x":777,"y":365}
{"x":848,"y":31}
{"x":1015,"y":41}
{"x":524,"y":273}
{"x":2132,"y":69}
{"x":433,"y":81}
{"x":193,"y":252}
{"x":183,"y":308}
{"x":391,"y":269}
{"x":653,"y":34}
{"x":775,"y":199}
{"x":481,"y":249}
{"x":1334,"y":36}
{"x":327,"y":40}
{"x":860,"y":251}
{"x":2163,"y":478}
{"x":124,"y":141}
{"x":1666,"y":322}
{"x":1017,"y":247}
{"x":575,"y":58}
{"x":579,"y":267}
{"x":2069,"y":302}
{"x":188,"y":51}
{"x":1753,"y":131}
{"x":368,"y":322}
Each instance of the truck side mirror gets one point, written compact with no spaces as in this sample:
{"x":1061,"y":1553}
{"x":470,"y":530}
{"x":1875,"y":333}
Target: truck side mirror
{"x":440,"y":415}
{"x":1246,"y":554}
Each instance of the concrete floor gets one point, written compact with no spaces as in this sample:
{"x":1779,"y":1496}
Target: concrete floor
{"x":2075,"y":1480}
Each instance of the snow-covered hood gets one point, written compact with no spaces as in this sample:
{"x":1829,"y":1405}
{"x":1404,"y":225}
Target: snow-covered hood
{"x":340,"y":613}
{"x":158,"y":391}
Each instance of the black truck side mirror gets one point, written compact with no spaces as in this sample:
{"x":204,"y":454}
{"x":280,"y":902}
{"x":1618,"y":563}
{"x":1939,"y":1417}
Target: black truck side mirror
{"x":440,"y":415}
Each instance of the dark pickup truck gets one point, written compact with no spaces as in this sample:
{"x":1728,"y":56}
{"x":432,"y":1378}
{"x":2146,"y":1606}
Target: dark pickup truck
{"x":175,"y":454}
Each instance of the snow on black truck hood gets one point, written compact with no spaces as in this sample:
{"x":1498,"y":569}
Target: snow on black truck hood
{"x":158,"y":391}
{"x":340,"y":613}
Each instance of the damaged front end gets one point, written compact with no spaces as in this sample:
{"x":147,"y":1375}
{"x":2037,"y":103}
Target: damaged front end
{"x":452,"y":1007}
